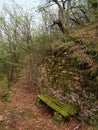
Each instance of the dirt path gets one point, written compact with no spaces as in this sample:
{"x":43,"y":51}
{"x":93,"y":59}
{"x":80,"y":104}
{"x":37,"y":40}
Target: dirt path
{"x":21,"y":112}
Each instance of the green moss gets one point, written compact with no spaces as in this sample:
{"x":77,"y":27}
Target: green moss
{"x":95,"y":58}
{"x":65,"y":89}
{"x":93,"y":74}
{"x":56,"y":66}
{"x":22,"y":113}
{"x":92,"y":99}
{"x":83,"y":66}
{"x":91,"y":80}
{"x":68,"y":76}
{"x":5,"y":97}
{"x":4,"y":94}
{"x":93,"y":54}
{"x":59,"y":51}
{"x":77,"y":91}
{"x":71,"y":63}
{"x":96,"y":116}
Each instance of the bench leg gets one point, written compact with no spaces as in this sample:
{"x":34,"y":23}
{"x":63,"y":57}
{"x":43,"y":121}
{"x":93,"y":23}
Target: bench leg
{"x":57,"y":118}
{"x":39,"y":102}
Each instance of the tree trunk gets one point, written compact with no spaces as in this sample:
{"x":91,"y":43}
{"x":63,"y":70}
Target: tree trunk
{"x":60,"y":25}
{"x":68,"y":13}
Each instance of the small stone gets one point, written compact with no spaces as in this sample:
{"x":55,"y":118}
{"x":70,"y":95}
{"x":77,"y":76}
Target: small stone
{"x":1,"y":118}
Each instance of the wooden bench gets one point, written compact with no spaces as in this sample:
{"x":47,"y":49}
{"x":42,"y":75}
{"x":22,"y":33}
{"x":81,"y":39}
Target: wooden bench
{"x":61,"y":109}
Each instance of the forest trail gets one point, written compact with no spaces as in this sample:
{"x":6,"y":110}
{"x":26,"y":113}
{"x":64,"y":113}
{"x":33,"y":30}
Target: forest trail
{"x":21,"y":112}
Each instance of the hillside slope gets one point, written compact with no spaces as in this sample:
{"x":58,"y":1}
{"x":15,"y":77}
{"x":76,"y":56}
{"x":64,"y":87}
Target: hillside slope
{"x":70,"y":72}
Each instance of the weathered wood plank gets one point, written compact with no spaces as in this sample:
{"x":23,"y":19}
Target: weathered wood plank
{"x":65,"y":110}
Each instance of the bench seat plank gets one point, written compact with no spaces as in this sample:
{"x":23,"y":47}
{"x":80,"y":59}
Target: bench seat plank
{"x":65,"y":110}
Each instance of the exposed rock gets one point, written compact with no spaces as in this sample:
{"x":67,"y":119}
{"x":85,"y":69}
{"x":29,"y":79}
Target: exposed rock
{"x":73,"y":72}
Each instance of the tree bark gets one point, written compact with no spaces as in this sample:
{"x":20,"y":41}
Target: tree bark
{"x":68,"y":13}
{"x":60,"y":25}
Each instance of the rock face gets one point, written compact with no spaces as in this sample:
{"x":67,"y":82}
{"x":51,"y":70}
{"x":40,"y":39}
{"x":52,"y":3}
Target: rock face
{"x":71,"y":75}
